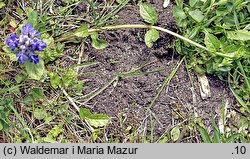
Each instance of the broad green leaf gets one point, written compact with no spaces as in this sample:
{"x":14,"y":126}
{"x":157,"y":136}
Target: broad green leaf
{"x":192,"y":3}
{"x":212,"y":42}
{"x":98,"y":120}
{"x":164,"y":140}
{"x":39,"y":113}
{"x":84,"y":113}
{"x":37,"y":93}
{"x":2,"y":4}
{"x":35,"y":71}
{"x":98,"y":43}
{"x":53,"y":54}
{"x":221,"y":2}
{"x":199,"y":69}
{"x":148,"y":13}
{"x":82,"y":31}
{"x":151,"y":36}
{"x":28,"y":100}
{"x":204,"y":134}
{"x":12,"y":56}
{"x":242,"y":35}
{"x":9,"y":53}
{"x":179,"y":3}
{"x":69,"y":77}
{"x":21,"y":77}
{"x":179,"y":13}
{"x":175,"y":133}
{"x":32,"y":17}
{"x":197,"y":15}
{"x":54,"y":80}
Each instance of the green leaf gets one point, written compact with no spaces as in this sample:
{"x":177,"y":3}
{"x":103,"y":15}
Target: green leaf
{"x":199,"y":69}
{"x":192,"y":3}
{"x":204,"y":134}
{"x":95,"y":134}
{"x":197,"y":15}
{"x":1,"y":125}
{"x":35,"y":71}
{"x":179,"y":13}
{"x":175,"y":133}
{"x":69,"y":77}
{"x":179,"y":3}
{"x":56,"y":130}
{"x":148,"y":13}
{"x":39,"y":113}
{"x":242,"y":35}
{"x":32,"y":17}
{"x":2,"y":4}
{"x":37,"y":93}
{"x":9,"y":53}
{"x":54,"y":80}
{"x":84,"y":113}
{"x":82,"y":31}
{"x":212,"y":42}
{"x":151,"y":36}
{"x":53,"y":54}
{"x":21,"y":77}
{"x":207,"y":4}
{"x":216,"y":131}
{"x":96,"y":120}
{"x":98,"y":43}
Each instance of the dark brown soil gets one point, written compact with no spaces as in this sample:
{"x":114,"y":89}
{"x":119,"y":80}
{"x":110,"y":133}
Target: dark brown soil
{"x":126,"y":102}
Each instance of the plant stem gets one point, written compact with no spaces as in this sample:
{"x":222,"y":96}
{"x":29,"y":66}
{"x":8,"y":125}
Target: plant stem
{"x":246,"y":78}
{"x":70,"y":99}
{"x":101,"y":90}
{"x":168,"y":79}
{"x":143,"y":26}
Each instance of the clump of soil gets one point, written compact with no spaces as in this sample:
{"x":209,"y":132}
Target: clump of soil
{"x":126,"y":102}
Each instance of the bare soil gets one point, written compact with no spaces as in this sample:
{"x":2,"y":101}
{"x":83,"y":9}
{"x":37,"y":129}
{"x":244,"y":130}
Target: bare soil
{"x":127,"y":100}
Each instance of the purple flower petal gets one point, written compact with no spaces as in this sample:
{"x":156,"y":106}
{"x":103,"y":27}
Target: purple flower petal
{"x":22,"y":57}
{"x":38,"y":45}
{"x":34,"y":59}
{"x":12,"y":41}
{"x":28,"y":30}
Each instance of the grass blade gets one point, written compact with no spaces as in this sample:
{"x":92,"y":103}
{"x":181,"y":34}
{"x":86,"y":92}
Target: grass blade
{"x":204,"y":134}
{"x":216,"y":138}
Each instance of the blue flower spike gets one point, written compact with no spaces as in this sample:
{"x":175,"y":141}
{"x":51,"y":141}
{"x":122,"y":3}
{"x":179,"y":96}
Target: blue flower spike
{"x":12,"y":41}
{"x":27,"y":44}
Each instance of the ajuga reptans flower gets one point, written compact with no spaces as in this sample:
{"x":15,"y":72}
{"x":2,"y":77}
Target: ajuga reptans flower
{"x":27,"y":44}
